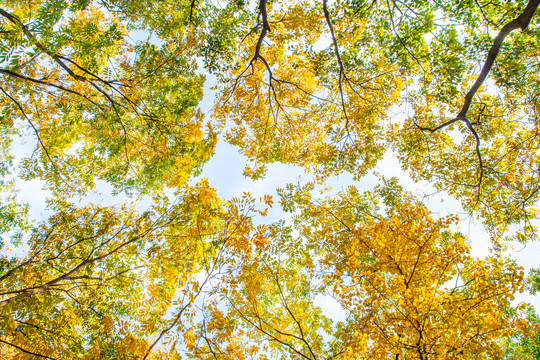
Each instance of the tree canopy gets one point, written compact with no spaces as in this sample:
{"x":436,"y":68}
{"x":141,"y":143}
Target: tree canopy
{"x":107,"y":96}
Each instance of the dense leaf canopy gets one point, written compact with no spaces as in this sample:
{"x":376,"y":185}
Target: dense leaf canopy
{"x":107,"y":95}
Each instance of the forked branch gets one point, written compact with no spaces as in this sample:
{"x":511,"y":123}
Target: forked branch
{"x":520,"y":22}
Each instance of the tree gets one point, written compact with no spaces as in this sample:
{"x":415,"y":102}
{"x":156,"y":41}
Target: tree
{"x":109,"y":93}
{"x":97,"y":282}
{"x":83,"y":87}
{"x":328,"y":107}
{"x":527,"y":346}
{"x":406,"y":283}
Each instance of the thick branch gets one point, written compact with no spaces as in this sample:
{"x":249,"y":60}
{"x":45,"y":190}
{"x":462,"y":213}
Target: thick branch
{"x":521,"y":22}
{"x":265,"y":28}
{"x":46,"y":83}
{"x":39,"y":45}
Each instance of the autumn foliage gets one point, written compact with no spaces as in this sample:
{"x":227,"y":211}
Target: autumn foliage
{"x":106,"y":96}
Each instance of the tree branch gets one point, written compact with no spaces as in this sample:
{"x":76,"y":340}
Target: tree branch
{"x":521,"y":22}
{"x":26,"y":351}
